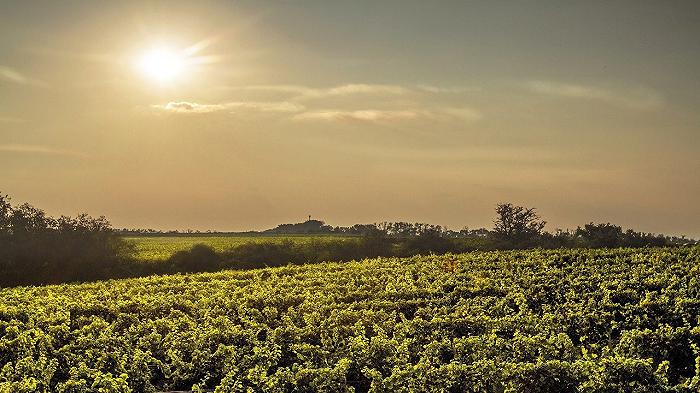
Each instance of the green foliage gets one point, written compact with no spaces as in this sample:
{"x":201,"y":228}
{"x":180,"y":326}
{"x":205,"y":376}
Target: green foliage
{"x":518,"y":321}
{"x":160,"y":248}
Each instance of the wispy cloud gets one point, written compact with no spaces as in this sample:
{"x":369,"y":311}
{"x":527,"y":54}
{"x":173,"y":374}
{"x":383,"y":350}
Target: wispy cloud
{"x":446,"y":89}
{"x":303,"y":103}
{"x":39,"y":149}
{"x":193,"y":107}
{"x":305,"y":92}
{"x":190,"y":107}
{"x":281,"y":106}
{"x":639,"y":98}
{"x":301,"y":92}
{"x":361,"y":88}
{"x":360,"y":115}
{"x":11,"y":75}
{"x":375,"y":115}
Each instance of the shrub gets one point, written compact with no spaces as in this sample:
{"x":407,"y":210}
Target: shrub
{"x":200,"y":258}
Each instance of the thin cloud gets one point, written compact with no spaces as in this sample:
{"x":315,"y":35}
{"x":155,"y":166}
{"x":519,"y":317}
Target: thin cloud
{"x":39,"y":149}
{"x":282,"y":106}
{"x":361,"y":88}
{"x":446,"y":90}
{"x":374,"y":115}
{"x":409,"y":109}
{"x":360,"y":115}
{"x":190,"y":107}
{"x":640,"y":98}
{"x":193,"y":107}
{"x":304,"y":92}
{"x":11,"y":75}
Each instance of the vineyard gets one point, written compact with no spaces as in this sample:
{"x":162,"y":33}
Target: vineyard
{"x":623,"y":320}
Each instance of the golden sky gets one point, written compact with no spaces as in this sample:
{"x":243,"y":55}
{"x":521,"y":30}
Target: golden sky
{"x":241,"y":115}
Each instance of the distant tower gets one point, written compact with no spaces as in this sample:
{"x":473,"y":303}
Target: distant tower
{"x":309,"y":217}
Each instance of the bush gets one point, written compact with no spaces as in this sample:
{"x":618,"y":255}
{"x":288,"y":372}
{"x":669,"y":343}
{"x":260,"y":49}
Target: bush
{"x":260,"y":254}
{"x":200,"y":258}
{"x":429,"y":243}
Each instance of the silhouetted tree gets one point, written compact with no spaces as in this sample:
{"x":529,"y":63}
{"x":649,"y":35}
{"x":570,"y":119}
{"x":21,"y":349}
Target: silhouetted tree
{"x":38,"y":249}
{"x":5,"y":213}
{"x":601,"y":235}
{"x":517,"y":226}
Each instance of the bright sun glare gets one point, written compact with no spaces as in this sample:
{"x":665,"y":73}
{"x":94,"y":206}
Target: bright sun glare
{"x":163,"y":65}
{"x":166,"y":65}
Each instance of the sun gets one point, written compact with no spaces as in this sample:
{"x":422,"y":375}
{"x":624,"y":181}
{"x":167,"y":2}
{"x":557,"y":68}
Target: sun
{"x":163,"y":65}
{"x":167,"y":64}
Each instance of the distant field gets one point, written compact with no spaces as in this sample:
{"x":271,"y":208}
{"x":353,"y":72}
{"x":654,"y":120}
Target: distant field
{"x":154,"y":248}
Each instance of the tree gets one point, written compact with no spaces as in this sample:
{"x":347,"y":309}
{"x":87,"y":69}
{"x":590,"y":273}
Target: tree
{"x":517,"y":226}
{"x":5,"y":214}
{"x":600,"y":235}
{"x":38,"y":249}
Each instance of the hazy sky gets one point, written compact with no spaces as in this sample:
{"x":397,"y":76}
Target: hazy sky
{"x":259,"y":112}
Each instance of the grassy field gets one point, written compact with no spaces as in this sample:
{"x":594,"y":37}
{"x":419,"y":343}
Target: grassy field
{"x":521,"y":321}
{"x":153,"y":248}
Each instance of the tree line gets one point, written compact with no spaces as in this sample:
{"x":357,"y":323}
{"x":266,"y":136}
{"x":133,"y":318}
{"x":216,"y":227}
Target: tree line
{"x":38,"y":249}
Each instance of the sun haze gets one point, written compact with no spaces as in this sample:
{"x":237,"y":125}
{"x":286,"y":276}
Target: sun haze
{"x":241,"y":115}
{"x":162,"y":64}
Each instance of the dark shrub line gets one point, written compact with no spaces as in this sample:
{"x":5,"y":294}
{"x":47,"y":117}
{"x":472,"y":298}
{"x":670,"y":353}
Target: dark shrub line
{"x":37,"y":249}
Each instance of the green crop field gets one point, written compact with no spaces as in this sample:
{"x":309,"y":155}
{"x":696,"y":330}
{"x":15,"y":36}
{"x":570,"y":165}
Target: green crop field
{"x":152,"y":248}
{"x":520,"y":321}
